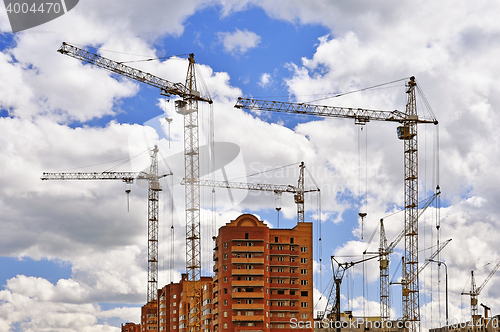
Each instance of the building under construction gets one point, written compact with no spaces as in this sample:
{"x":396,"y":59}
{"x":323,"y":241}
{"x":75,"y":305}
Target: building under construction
{"x":263,"y":279}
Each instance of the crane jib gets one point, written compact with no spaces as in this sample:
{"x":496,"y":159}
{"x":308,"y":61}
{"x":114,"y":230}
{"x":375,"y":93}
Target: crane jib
{"x":166,"y":87}
{"x":358,"y":114}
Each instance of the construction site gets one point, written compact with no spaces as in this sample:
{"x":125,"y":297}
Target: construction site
{"x":262,"y":277}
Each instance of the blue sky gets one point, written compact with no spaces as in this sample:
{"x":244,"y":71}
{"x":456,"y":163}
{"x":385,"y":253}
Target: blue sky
{"x":72,"y":257}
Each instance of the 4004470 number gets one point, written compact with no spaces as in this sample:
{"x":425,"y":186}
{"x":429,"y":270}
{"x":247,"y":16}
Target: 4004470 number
{"x":24,"y":8}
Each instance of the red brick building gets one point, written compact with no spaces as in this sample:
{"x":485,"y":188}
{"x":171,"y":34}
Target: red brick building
{"x":263,"y":277}
{"x":174,"y":306}
{"x":131,"y":327}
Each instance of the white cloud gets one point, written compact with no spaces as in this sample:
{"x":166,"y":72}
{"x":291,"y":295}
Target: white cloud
{"x":239,"y":42}
{"x":265,"y":80}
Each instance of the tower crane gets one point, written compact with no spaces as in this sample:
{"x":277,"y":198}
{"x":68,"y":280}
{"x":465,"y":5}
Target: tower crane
{"x":188,"y":107}
{"x":153,"y":204}
{"x":406,"y":132}
{"x":276,"y":188}
{"x":333,"y":304}
{"x":475,"y":291}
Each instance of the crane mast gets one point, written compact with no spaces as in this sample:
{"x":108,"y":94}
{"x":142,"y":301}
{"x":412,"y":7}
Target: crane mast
{"x":189,"y":108}
{"x":384,"y":277}
{"x":408,"y":133}
{"x":475,"y":291}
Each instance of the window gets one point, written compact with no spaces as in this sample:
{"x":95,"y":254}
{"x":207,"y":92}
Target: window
{"x":225,"y":279}
{"x":280,"y":269}
{"x":303,"y":260}
{"x":246,"y":235}
{"x":276,"y":239}
{"x":225,"y":313}
{"x":292,"y":248}
{"x":291,"y":240}
{"x":249,"y":313}
{"x":292,"y":259}
{"x":267,"y":256}
{"x":225,"y":290}
{"x":248,"y":278}
{"x":281,"y":281}
{"x":281,"y":314}
{"x":304,"y":293}
{"x":225,"y":256}
{"x":304,"y":316}
{"x":303,"y":271}
{"x":281,"y":303}
{"x":225,"y":325}
{"x":225,"y":302}
{"x":292,"y":292}
{"x":281,"y":258}
{"x":292,"y":281}
{"x":249,"y":255}
{"x":292,"y":270}
{"x":280,"y":247}
{"x":225,"y":244}
{"x":225,"y":267}
{"x":304,"y":282}
{"x":249,"y":289}
{"x":174,"y":311}
{"x":304,"y":304}
{"x":175,"y":296}
{"x":303,"y":249}
{"x":281,"y":292}
{"x":249,"y":244}
{"x":248,"y":301}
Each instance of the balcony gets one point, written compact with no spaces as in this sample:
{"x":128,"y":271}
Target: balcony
{"x":245,"y":318}
{"x":274,"y":262}
{"x":245,"y":306}
{"x":285,"y":297}
{"x":283,"y":275}
{"x":280,"y":320}
{"x":285,"y":309}
{"x":244,"y":283}
{"x":250,"y":272}
{"x":243,"y":260}
{"x":247,"y":249}
{"x":247,"y":295}
{"x":248,"y":329}
{"x":280,"y":286}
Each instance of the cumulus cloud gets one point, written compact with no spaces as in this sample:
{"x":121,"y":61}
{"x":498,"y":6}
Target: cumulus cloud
{"x":239,"y":42}
{"x":265,"y":80}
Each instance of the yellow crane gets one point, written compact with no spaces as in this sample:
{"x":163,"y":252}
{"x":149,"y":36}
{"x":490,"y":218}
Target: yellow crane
{"x":385,"y":250}
{"x":278,"y":189}
{"x":406,"y":132}
{"x":188,"y":107}
{"x":475,"y":291}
